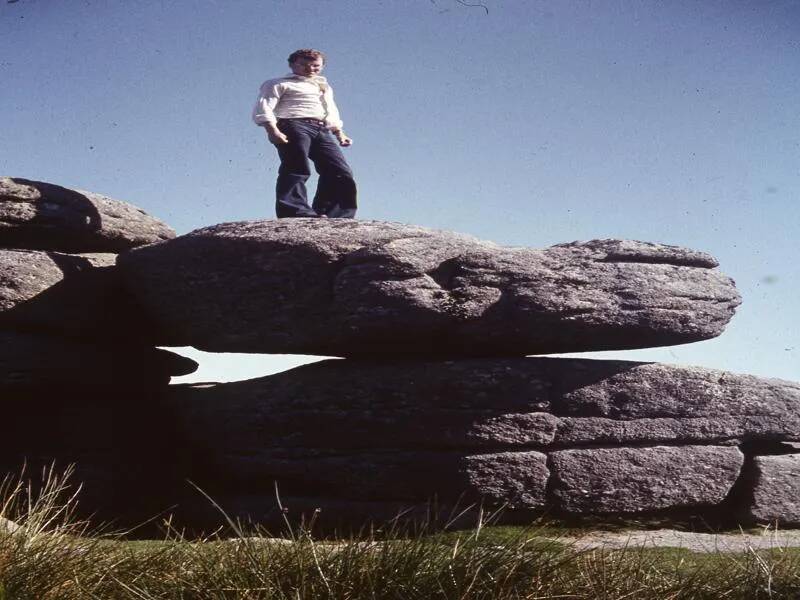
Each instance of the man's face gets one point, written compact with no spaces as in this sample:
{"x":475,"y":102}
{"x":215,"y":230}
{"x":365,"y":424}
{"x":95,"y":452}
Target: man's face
{"x":307,"y":66}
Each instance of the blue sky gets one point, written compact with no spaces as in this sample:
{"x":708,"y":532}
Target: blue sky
{"x":534,"y":124}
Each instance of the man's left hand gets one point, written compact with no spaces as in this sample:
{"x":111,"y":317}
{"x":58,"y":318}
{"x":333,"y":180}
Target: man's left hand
{"x":342,"y":137}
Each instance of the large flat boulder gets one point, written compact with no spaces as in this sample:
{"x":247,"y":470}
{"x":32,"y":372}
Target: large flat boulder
{"x":485,"y":405}
{"x":573,"y":435}
{"x":365,"y":438}
{"x":43,"y":216}
{"x":75,"y":295}
{"x":636,"y":480}
{"x":364,"y":288}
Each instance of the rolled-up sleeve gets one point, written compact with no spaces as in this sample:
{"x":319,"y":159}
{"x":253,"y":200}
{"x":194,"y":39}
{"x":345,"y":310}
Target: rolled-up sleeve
{"x":332,"y":118}
{"x":268,"y":97}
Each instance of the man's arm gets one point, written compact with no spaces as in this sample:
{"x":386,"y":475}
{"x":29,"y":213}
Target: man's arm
{"x":333,"y":119}
{"x":264,"y":114}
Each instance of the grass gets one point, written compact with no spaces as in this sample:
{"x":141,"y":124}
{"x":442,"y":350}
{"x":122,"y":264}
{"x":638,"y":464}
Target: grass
{"x":54,"y":556}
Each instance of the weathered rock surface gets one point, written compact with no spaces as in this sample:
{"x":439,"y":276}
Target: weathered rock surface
{"x":658,"y":402}
{"x":526,"y":432}
{"x":485,"y":405}
{"x":517,"y":478}
{"x":31,"y":362}
{"x":364,"y":438}
{"x":630,"y":480}
{"x":776,"y":494}
{"x":44,"y":216}
{"x":355,"y":288}
{"x":76,"y":295}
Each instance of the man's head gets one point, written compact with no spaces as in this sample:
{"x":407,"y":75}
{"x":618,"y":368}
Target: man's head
{"x":306,"y":62}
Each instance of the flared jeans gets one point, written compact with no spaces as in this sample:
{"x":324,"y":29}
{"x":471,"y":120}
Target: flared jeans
{"x":336,"y":188}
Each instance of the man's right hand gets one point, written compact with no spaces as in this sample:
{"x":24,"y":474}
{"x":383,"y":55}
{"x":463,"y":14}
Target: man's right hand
{"x":276,"y":136}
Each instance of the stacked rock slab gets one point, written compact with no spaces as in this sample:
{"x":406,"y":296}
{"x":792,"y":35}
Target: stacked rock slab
{"x":435,"y":401}
{"x":78,"y":362}
{"x":564,"y":435}
{"x":361,"y":288}
{"x":435,"y":406}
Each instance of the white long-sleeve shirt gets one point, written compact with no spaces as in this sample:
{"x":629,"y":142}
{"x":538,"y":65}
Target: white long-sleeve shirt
{"x":295,"y":96}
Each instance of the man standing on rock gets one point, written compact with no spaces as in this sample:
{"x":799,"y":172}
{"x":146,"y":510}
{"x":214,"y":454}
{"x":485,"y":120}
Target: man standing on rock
{"x":302,"y":121}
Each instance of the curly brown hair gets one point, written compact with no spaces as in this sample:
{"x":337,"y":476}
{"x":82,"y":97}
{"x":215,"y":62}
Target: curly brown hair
{"x":309,"y":53}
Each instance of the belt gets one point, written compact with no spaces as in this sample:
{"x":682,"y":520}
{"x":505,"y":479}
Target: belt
{"x":304,"y":120}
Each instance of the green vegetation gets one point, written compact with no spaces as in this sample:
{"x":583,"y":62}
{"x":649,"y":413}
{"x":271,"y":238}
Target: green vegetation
{"x":52,"y":556}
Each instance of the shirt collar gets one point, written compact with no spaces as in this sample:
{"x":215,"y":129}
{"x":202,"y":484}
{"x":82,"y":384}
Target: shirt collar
{"x":312,"y":78}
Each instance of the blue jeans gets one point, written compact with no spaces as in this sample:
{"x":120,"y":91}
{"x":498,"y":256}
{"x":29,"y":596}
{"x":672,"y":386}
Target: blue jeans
{"x":336,"y":188}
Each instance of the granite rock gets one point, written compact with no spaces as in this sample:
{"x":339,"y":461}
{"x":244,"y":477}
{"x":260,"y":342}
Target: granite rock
{"x":34,"y":363}
{"x":646,"y":479}
{"x":365,"y":288}
{"x":486,"y":405}
{"x":75,"y":295}
{"x":43,"y":216}
{"x":515,"y":478}
{"x":776,"y":490}
{"x":573,"y":435}
{"x":616,"y":402}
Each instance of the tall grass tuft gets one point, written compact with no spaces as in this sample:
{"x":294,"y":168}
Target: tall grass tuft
{"x":51,"y":555}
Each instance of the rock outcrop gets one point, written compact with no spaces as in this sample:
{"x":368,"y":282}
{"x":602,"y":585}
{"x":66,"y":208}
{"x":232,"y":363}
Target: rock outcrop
{"x":566,"y":435}
{"x":79,"y":372}
{"x":435,"y":406}
{"x":43,"y":216}
{"x":360,"y":288}
{"x":75,"y":295}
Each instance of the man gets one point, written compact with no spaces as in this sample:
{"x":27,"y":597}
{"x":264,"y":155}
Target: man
{"x":302,"y":121}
